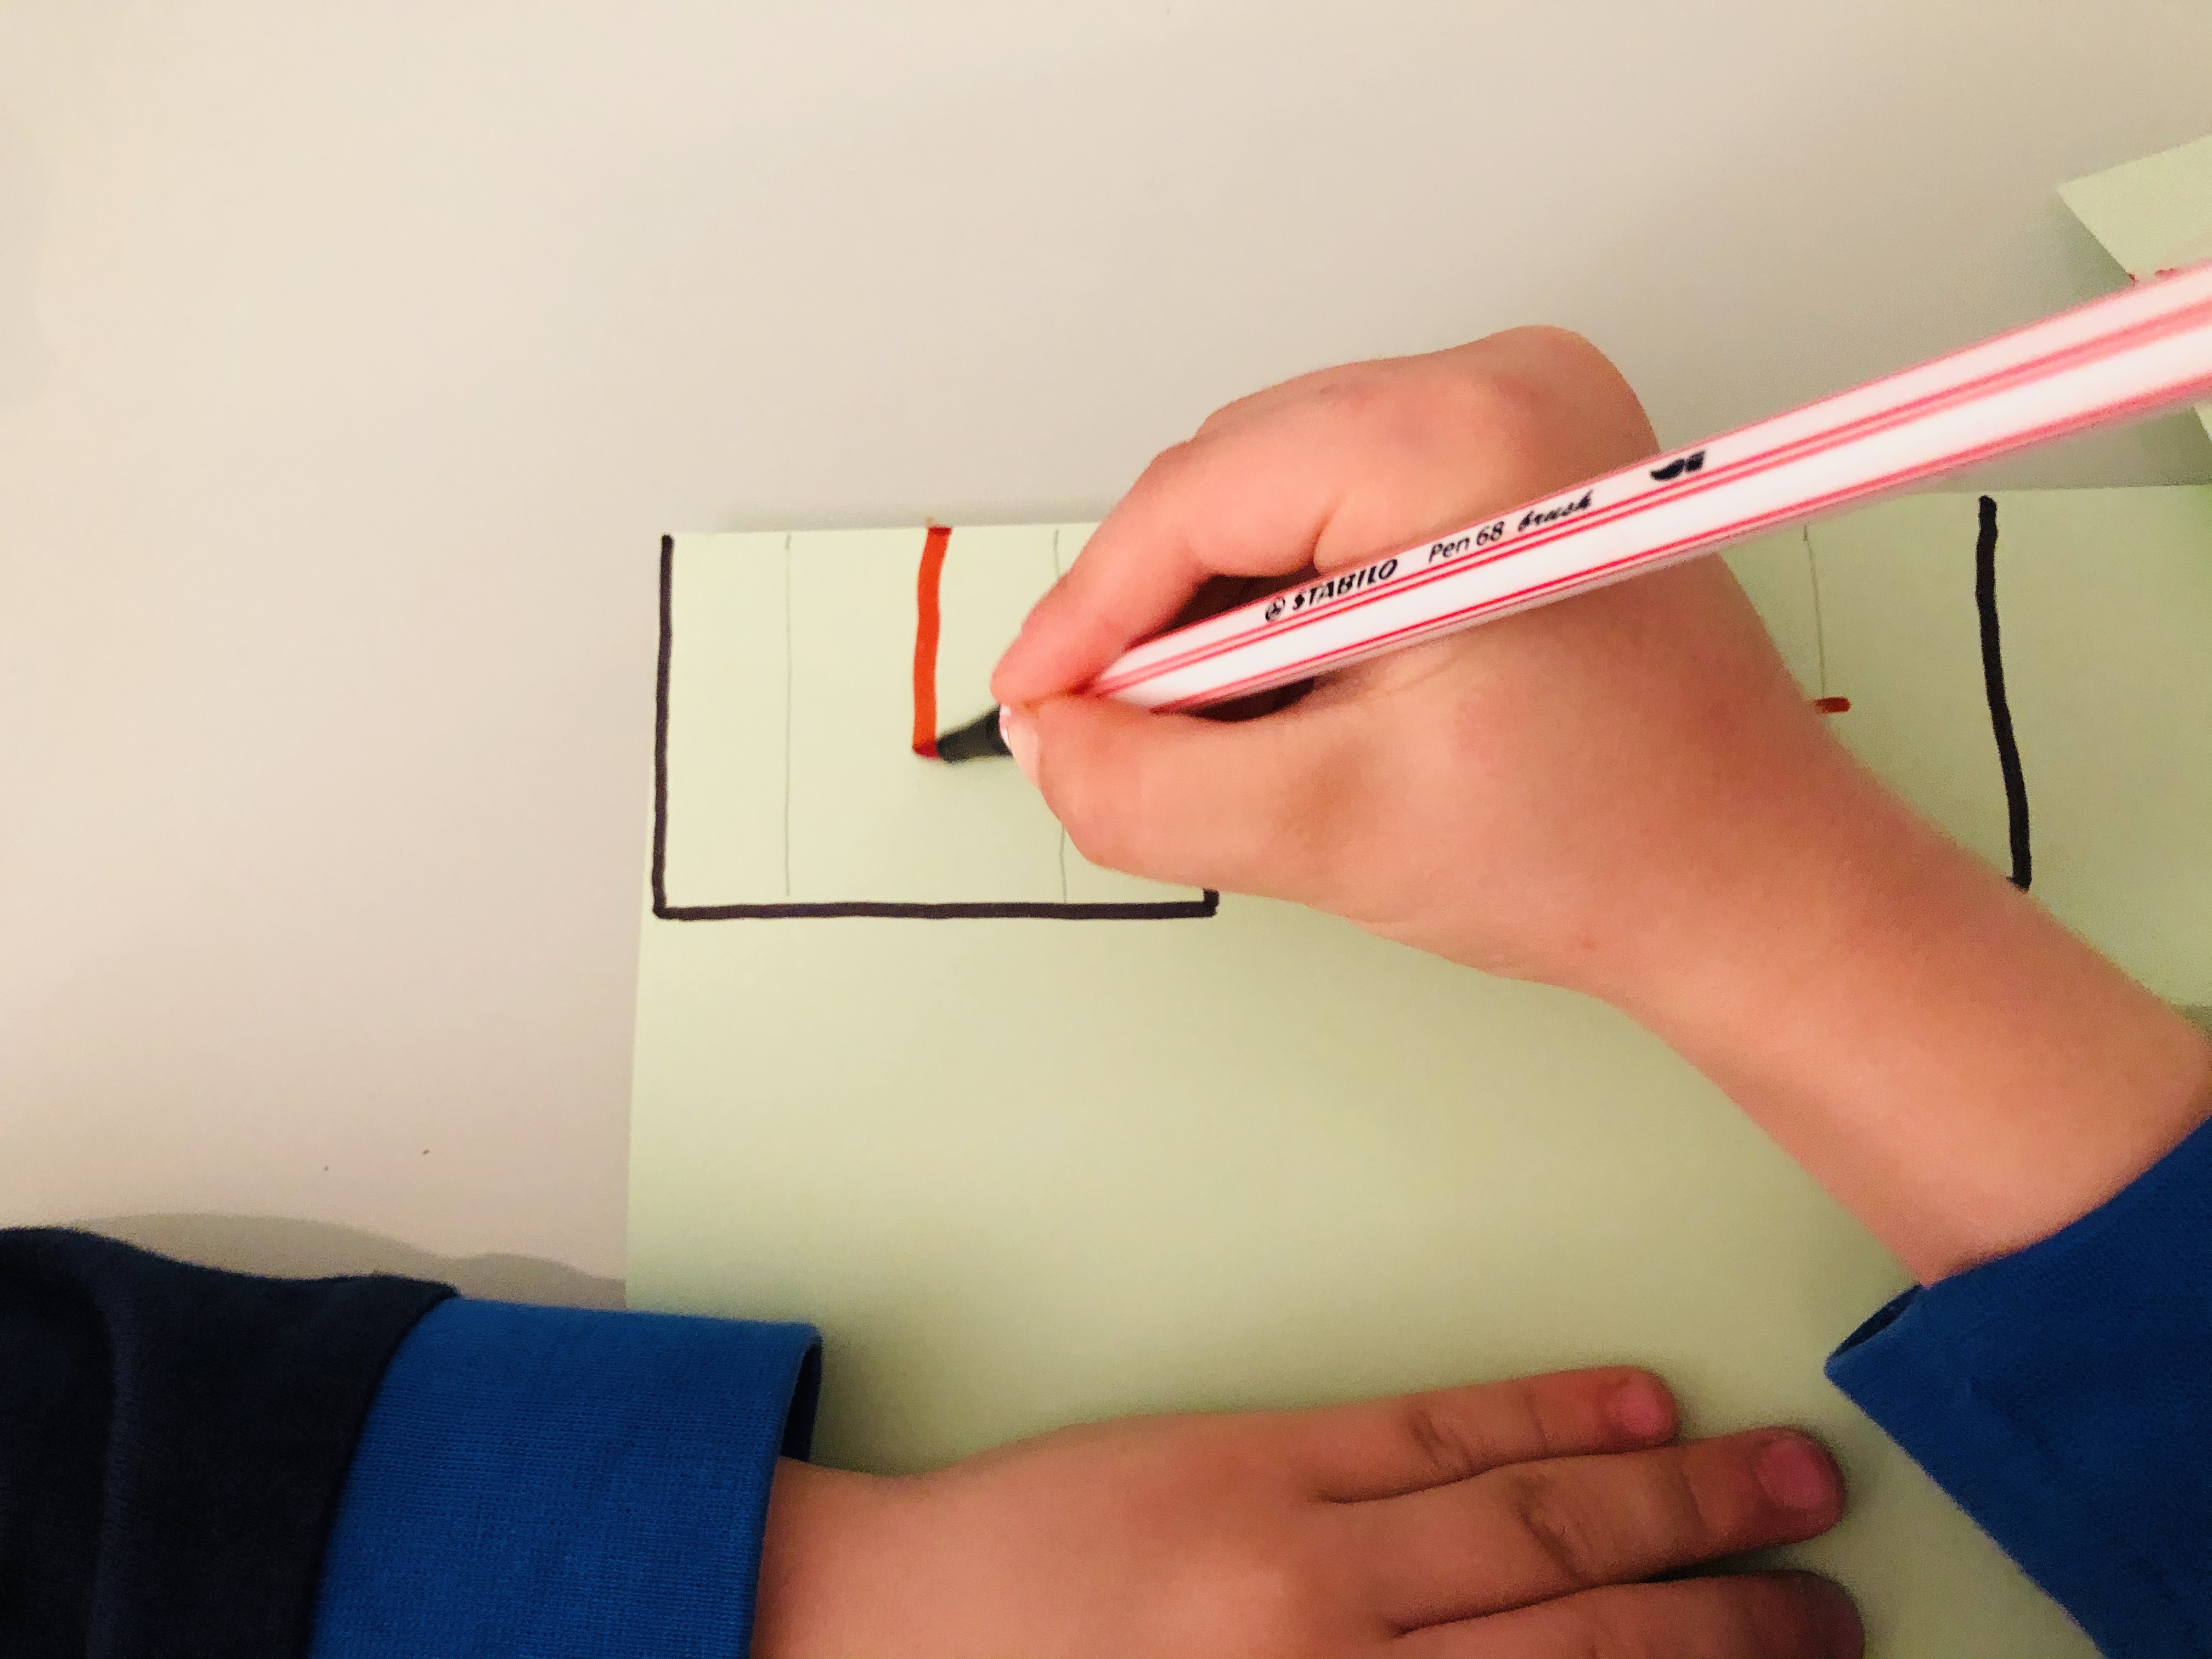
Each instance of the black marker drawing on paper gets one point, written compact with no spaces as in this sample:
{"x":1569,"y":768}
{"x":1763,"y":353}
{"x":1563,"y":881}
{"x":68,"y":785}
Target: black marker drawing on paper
{"x":1993,"y":685}
{"x":1207,"y":904}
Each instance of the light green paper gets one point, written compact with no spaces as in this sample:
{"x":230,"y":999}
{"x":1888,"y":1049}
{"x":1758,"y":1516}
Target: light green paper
{"x":1024,"y":1173}
{"x":790,"y":775}
{"x":2151,"y":214}
{"x":2105,"y":602}
{"x":1776,"y":572}
{"x":725,"y":838}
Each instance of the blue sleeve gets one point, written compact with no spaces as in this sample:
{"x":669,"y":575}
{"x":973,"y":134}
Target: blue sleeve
{"x":2063,"y":1396}
{"x":559,"y":1482}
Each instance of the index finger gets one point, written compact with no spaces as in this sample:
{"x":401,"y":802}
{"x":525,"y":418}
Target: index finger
{"x":1223,"y":504}
{"x":1338,"y":467}
{"x":1380,"y":1449}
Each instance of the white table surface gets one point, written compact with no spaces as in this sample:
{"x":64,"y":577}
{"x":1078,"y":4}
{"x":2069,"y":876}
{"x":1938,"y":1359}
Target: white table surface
{"x":353,"y":359}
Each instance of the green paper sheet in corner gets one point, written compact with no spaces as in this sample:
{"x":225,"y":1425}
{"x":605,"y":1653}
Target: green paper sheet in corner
{"x":1024,"y":1172}
{"x":2151,"y":214}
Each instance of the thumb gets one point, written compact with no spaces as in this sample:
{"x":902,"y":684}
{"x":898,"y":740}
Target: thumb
{"x":1245,"y":805}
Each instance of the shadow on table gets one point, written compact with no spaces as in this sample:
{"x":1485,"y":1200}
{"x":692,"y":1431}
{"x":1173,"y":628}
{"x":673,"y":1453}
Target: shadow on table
{"x":285,"y":1247}
{"x":314,"y":1249}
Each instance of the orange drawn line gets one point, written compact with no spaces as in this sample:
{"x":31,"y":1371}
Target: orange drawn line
{"x":926,"y":583}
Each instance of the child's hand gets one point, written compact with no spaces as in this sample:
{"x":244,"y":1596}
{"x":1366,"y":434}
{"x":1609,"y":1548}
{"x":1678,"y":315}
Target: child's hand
{"x":1517,"y":1521}
{"x":1622,"y":792}
{"x":1550,"y":796}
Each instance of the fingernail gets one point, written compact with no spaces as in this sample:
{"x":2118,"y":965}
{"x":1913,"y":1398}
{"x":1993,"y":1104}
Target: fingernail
{"x":1842,"y":1635}
{"x":1020,"y":732}
{"x":1796,"y":1474}
{"x":1639,"y":1409}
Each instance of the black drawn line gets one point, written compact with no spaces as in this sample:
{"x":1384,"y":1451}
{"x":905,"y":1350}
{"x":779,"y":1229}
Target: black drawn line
{"x":660,"y":728}
{"x":1207,"y":904}
{"x":2015,"y":783}
{"x":1153,"y":910}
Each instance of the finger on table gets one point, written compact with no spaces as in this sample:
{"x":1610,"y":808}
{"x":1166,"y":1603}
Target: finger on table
{"x":1764,"y":1615}
{"x":1384,"y":1448}
{"x":1533,"y":1531}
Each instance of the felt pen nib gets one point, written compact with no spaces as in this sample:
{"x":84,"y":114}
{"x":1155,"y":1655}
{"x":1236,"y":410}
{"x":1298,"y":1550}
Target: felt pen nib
{"x":980,"y":739}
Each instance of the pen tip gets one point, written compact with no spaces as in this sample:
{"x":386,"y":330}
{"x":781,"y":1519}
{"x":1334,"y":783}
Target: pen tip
{"x":980,"y":739}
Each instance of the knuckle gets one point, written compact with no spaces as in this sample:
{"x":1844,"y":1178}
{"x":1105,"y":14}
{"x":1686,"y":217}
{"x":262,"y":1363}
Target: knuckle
{"x":1356,"y":390}
{"x":1569,"y":1536}
{"x":1168,"y":468}
{"x":1532,"y":1423}
{"x":1281,"y":399}
{"x":1404,"y":408}
{"x":1501,"y":397}
{"x":1468,"y":410}
{"x":1506,"y":413}
{"x":1527,"y":387}
{"x":1230,"y":413}
{"x":1440,"y":1437}
{"x":1694,"y":1505}
{"x":1260,"y":1601}
{"x":1550,"y":346}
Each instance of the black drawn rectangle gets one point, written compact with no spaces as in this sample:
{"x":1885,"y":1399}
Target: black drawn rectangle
{"x":740,"y":588}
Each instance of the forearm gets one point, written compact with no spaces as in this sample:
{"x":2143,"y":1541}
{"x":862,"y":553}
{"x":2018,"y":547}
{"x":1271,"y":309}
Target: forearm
{"x":1954,"y":1067}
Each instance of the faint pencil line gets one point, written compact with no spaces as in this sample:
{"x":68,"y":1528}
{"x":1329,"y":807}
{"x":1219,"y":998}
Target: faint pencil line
{"x":1820,"y":627}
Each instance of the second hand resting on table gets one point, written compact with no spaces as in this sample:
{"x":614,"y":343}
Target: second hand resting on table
{"x":1510,"y":1521}
{"x":1623,"y":794}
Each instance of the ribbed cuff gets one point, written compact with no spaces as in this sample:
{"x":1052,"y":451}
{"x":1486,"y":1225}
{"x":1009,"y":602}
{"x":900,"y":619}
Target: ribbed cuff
{"x":557,"y":1482}
{"x":2063,"y":1395}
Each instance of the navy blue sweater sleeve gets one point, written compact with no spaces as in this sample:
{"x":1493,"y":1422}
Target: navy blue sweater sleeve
{"x":2064,"y":1396}
{"x":201,"y":1463}
{"x":172,"y":1444}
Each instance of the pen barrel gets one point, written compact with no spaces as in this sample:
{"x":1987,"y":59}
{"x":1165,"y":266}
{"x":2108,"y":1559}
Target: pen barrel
{"x":2117,"y":359}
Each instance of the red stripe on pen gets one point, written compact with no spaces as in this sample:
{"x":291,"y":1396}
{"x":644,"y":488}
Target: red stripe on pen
{"x":927,"y":581}
{"x":2079,"y":354}
{"x":1806,"y":507}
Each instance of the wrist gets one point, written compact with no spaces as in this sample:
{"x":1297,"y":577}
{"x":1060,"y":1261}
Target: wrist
{"x":1761,"y":875}
{"x":814,"y":1552}
{"x":1955,"y":1068}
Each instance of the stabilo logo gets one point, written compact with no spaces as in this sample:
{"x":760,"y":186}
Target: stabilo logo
{"x":1335,"y":587}
{"x":1681,"y":466}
